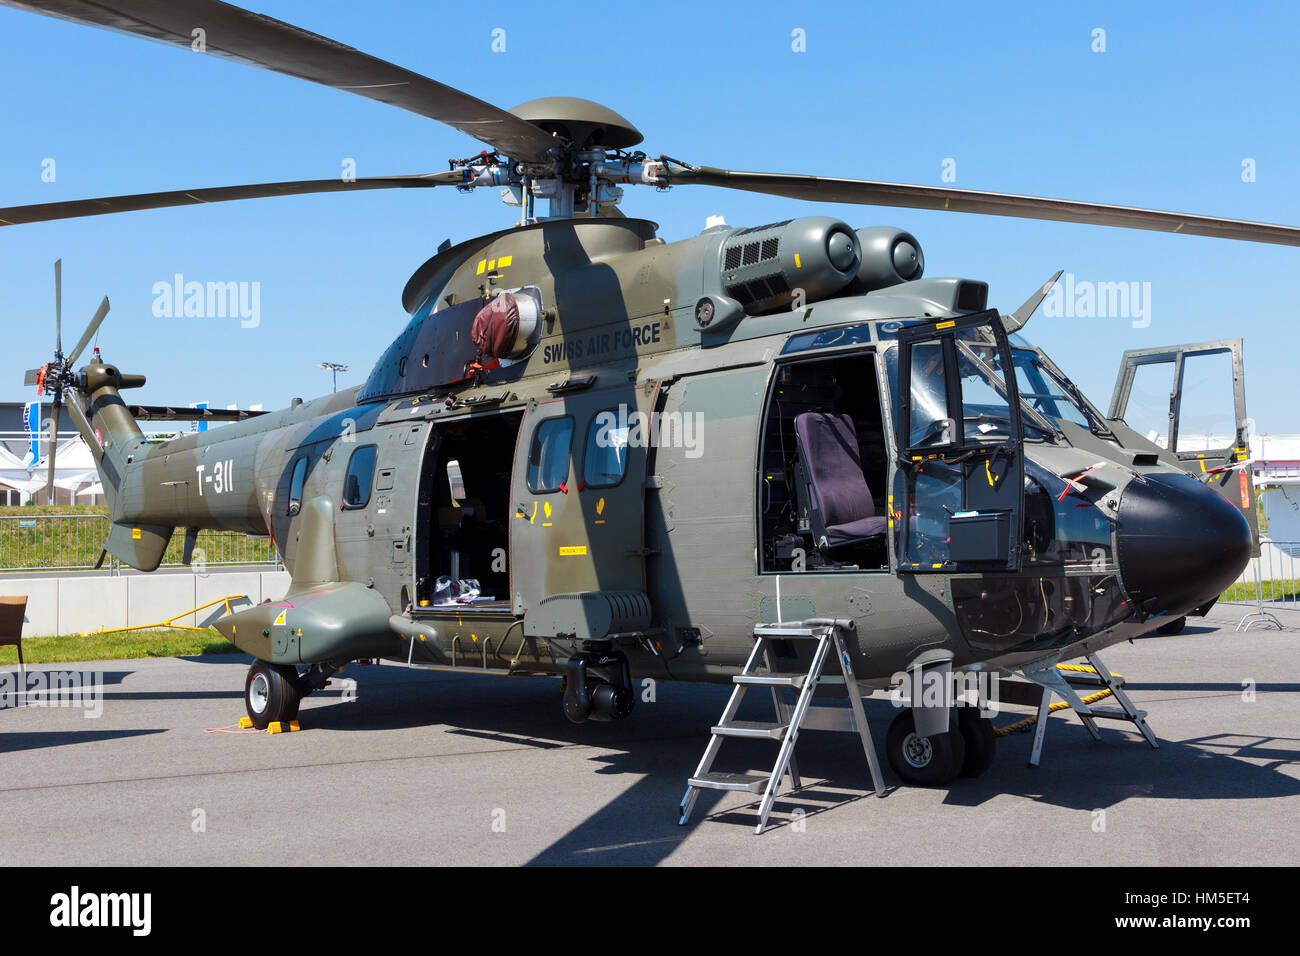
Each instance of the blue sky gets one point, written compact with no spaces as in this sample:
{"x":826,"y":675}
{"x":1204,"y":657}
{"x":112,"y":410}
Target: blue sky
{"x":1013,"y":93}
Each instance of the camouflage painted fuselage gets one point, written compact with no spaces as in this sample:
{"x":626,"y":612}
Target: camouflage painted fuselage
{"x":619,"y":328}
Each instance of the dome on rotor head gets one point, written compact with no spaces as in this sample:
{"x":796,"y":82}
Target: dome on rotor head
{"x":581,"y":121}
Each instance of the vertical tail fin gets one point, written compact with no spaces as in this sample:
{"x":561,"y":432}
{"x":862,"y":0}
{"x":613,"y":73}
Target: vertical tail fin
{"x":112,"y":434}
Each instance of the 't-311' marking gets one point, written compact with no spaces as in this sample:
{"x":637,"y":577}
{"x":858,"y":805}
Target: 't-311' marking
{"x":222,"y":478}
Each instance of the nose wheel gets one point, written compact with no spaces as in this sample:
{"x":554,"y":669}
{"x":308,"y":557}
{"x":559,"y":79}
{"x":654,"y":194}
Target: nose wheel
{"x":924,"y":761}
{"x":272,"y":692}
{"x":981,"y":741}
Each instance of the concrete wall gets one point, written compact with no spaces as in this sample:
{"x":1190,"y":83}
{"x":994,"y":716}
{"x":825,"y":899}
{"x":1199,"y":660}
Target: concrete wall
{"x":76,"y":603}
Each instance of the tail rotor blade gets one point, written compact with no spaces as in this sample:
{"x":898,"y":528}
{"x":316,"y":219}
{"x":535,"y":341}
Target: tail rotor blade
{"x":32,"y":376}
{"x":54,"y":444}
{"x":91,"y":329}
{"x":58,"y":306}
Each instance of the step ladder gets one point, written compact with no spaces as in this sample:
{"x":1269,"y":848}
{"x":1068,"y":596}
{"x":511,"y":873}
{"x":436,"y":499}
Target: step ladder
{"x":759,"y":672}
{"x":1104,"y":684}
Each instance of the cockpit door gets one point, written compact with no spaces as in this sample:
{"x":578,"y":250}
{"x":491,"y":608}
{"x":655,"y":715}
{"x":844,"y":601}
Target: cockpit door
{"x":960,"y":448}
{"x":1191,"y":401}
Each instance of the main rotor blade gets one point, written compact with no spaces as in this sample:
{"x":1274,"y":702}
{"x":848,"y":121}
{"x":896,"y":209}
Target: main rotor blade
{"x":58,"y":305}
{"x":54,"y":444}
{"x":903,"y":195}
{"x":44,"y":212}
{"x":256,"y":40}
{"x":89,"y":334}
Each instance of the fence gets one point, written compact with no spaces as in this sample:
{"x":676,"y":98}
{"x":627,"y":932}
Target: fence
{"x":1270,"y":582}
{"x":73,"y":542}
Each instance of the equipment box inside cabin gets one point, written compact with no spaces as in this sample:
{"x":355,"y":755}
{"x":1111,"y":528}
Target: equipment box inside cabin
{"x":979,"y":536}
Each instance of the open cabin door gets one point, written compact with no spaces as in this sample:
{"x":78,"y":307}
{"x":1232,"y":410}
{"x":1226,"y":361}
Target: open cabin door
{"x":960,"y":448}
{"x":1191,"y":401}
{"x":578,"y":489}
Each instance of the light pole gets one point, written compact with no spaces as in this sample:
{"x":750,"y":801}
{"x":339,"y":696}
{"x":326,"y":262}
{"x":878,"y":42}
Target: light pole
{"x":334,"y":367}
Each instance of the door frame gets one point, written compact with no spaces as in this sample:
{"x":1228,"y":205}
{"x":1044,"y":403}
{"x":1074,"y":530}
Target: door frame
{"x":973,"y":458}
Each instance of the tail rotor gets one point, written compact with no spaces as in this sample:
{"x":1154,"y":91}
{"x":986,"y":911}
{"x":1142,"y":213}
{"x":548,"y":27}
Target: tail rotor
{"x":57,"y":376}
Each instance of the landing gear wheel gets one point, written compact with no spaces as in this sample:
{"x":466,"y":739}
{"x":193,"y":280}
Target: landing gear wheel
{"x":1173,"y":627}
{"x":271,"y":692}
{"x":924,"y":761}
{"x":981,"y":742}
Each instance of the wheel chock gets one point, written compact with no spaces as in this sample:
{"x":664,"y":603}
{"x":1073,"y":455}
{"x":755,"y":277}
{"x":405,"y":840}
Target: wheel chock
{"x":245,"y":723}
{"x":283,"y":727}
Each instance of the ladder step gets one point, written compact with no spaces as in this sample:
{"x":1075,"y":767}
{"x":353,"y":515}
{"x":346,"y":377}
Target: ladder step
{"x":772,"y":680}
{"x":717,"y":780}
{"x":1077,"y":679}
{"x":1085,"y":680}
{"x":1116,"y":713}
{"x":778,"y":631}
{"x":765,"y":730}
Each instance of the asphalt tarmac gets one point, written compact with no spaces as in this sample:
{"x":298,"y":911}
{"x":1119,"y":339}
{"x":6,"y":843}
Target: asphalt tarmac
{"x":429,"y":768}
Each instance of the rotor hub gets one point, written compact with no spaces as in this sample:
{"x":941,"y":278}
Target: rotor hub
{"x":583,"y":123}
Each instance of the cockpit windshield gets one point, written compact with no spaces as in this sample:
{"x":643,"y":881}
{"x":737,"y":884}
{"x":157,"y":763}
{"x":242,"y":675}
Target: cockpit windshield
{"x":1045,"y":389}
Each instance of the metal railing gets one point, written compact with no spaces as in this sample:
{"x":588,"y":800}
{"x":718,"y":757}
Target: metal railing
{"x":1270,"y":582}
{"x":72,"y":542}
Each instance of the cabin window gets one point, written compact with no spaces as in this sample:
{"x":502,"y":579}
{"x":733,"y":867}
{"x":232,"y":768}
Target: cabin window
{"x":356,"y":483}
{"x":604,"y":462}
{"x":986,"y":414}
{"x":295,"y":485}
{"x":931,"y":419}
{"x":548,"y":457}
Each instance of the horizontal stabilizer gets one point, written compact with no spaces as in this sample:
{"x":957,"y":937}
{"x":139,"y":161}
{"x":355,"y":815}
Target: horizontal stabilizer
{"x":140,"y":545}
{"x":166,"y":413}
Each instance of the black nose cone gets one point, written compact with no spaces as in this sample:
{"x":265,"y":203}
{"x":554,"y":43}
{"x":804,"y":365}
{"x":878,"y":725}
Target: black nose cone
{"x":1180,"y":543}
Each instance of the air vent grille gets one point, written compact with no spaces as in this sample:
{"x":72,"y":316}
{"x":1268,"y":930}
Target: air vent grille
{"x":751,"y":253}
{"x":759,"y":289}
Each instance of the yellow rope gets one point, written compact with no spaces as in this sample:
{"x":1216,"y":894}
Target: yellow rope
{"x":1024,"y":725}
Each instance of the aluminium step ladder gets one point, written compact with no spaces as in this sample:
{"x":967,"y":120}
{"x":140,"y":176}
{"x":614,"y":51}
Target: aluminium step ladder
{"x":758,"y":672}
{"x":1107,"y":684}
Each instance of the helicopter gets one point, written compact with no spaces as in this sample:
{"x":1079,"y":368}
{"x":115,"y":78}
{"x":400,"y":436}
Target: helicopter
{"x":596,"y":454}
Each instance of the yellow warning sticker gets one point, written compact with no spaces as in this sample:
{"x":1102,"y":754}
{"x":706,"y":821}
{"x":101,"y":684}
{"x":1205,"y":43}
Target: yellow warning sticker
{"x":279,"y":618}
{"x":504,"y":261}
{"x":482,"y":265}
{"x":573,"y":549}
{"x":135,"y":534}
{"x":946,"y":325}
